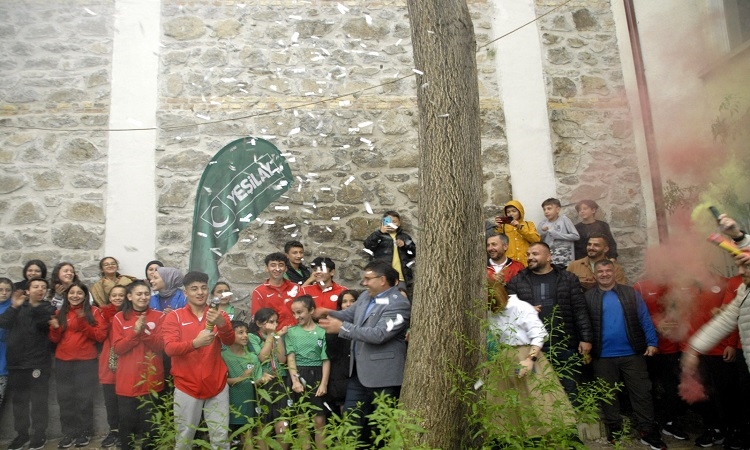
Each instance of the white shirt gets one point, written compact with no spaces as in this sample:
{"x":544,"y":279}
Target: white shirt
{"x":518,"y":324}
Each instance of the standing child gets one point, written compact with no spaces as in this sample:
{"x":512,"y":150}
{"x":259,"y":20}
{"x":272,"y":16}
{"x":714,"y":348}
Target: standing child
{"x":76,"y":332}
{"x":521,"y":233}
{"x":108,"y":365}
{"x":137,"y":341}
{"x":558,"y":232}
{"x":269,"y":346}
{"x":224,"y":293}
{"x":339,"y":351}
{"x":392,"y":244}
{"x":29,"y":362}
{"x":244,"y":372}
{"x":309,"y":367}
{"x":589,"y":225}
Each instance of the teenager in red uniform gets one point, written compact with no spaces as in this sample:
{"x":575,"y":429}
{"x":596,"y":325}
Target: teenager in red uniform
{"x":720,"y":411}
{"x":107,"y":361}
{"x":193,"y":336}
{"x":664,"y":367}
{"x":277,"y":292}
{"x":76,"y":331}
{"x":136,"y":340}
{"x":324,"y":291}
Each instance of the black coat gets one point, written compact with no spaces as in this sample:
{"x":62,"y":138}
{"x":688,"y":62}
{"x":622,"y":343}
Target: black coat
{"x":381,"y":245}
{"x":570,"y":303}
{"x":28,"y":344}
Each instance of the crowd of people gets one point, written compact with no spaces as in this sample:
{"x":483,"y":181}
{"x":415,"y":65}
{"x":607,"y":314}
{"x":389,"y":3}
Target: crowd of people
{"x":307,"y":340}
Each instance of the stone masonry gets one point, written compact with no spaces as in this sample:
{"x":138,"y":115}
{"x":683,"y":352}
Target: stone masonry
{"x":329,"y":83}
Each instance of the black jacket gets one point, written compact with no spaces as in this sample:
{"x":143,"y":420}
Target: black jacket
{"x":633,"y":328}
{"x":28,"y":344}
{"x":570,"y":304}
{"x":381,"y":245}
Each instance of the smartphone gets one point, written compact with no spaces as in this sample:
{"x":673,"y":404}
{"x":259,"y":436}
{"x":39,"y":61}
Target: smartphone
{"x":715,"y":212}
{"x":387,"y":221}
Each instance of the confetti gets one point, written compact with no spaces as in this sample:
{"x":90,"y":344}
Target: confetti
{"x":398,"y":42}
{"x":311,"y":174}
{"x":366,"y":141}
{"x":269,"y":222}
{"x":399,"y":319}
{"x":342,"y":9}
{"x":335,"y":218}
{"x":417,"y":71}
{"x":246,"y":218}
{"x":369,"y":252}
{"x":89,"y":11}
{"x":295,"y":36}
{"x":368,"y":208}
{"x":443,"y":115}
{"x":228,"y":80}
{"x":345,"y":102}
{"x":281,"y":208}
{"x":329,"y":229}
{"x":295,"y":17}
{"x":349,"y":180}
{"x":327,"y":407}
{"x":479,"y":383}
{"x":291,"y":225}
{"x":294,"y":131}
{"x":364,"y":124}
{"x":203,"y":116}
{"x":325,"y":189}
{"x":202,"y":234}
{"x":389,"y":325}
{"x":368,"y":19}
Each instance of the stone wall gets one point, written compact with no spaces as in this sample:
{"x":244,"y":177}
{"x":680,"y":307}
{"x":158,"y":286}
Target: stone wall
{"x":281,"y":73}
{"x":591,"y":123}
{"x":55,"y":62}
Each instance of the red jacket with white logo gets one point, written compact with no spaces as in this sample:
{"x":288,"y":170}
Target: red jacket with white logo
{"x":199,"y":372}
{"x":106,"y":375}
{"x":78,"y":341}
{"x":140,"y":367}
{"x":277,"y":298}
{"x":324,"y":298}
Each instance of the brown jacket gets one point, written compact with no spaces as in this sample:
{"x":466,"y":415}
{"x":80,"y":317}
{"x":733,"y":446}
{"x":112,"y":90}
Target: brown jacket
{"x":582,"y":269}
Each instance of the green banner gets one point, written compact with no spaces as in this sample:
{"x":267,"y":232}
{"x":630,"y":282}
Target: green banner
{"x":239,"y":182}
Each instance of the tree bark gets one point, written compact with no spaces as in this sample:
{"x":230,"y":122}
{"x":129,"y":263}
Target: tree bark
{"x":450,"y":290}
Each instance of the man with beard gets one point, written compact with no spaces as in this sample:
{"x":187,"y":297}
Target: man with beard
{"x":499,"y":266}
{"x":557,"y":295}
{"x":596,"y":250}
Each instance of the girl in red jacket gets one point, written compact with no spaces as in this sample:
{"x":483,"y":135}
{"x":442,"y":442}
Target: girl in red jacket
{"x":108,"y":365}
{"x":76,"y":332}
{"x":136,"y":339}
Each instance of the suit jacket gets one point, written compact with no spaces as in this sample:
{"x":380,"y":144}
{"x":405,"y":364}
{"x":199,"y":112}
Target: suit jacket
{"x":378,"y":340}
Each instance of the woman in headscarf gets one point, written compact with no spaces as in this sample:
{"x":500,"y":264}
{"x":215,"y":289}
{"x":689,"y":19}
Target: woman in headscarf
{"x":167,"y":286}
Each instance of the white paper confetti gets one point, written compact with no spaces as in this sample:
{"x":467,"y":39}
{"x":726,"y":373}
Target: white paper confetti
{"x":201,"y":234}
{"x":368,"y":19}
{"x":364,"y":124}
{"x":417,"y":71}
{"x":329,"y":229}
{"x":477,"y":384}
{"x":369,"y":252}
{"x":295,"y":36}
{"x":291,"y":225}
{"x":281,"y":208}
{"x":203,"y":116}
{"x":342,"y":9}
{"x":399,"y":319}
{"x":336,"y":218}
{"x":89,"y":11}
{"x":443,"y":115}
{"x":269,"y":222}
{"x":366,"y":141}
{"x":389,"y":325}
{"x":294,"y":131}
{"x":368,"y":208}
{"x":325,"y":189}
{"x":349,"y":180}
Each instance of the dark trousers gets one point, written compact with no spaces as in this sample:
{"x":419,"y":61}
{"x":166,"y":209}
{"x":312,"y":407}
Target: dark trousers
{"x":359,"y":399}
{"x":722,"y":409}
{"x":664,"y":372}
{"x":30,"y":387}
{"x":110,"y":404}
{"x":634,"y":374}
{"x":567,"y":371}
{"x":76,"y":381}
{"x":137,"y":417}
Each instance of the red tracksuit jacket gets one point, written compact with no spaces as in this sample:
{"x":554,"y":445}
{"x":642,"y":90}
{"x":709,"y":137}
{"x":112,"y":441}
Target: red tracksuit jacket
{"x":140,"y":367}
{"x":78,"y":341}
{"x":199,"y":372}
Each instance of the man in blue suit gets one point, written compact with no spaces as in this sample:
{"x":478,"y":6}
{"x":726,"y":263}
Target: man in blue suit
{"x":376,"y":324}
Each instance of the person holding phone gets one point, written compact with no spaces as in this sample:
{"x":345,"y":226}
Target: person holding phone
{"x":390,"y":243}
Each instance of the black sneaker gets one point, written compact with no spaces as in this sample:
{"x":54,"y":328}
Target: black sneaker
{"x":38,"y":443}
{"x":670,"y":429}
{"x":709,"y":438}
{"x":112,"y":439}
{"x":82,"y":441}
{"x":18,"y":443}
{"x":65,"y":442}
{"x":733,"y":440}
{"x":653,"y":440}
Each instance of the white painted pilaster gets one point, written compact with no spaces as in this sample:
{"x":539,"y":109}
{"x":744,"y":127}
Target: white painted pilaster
{"x":131,"y":191}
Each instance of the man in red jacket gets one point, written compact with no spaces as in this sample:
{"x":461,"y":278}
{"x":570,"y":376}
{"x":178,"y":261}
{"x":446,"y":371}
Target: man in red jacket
{"x":193,"y":336}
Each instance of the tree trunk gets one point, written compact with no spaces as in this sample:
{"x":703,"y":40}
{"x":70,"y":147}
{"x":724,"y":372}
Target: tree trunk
{"x":450,"y":284}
